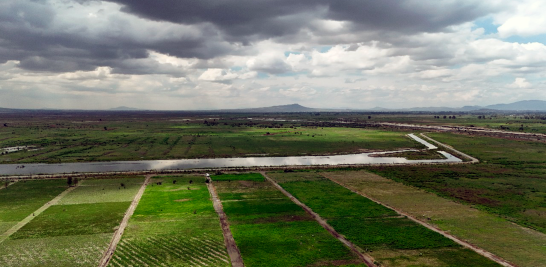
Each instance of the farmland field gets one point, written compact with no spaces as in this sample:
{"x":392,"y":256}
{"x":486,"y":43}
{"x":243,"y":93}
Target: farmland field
{"x":509,"y":181}
{"x":83,"y":217}
{"x":174,"y":225}
{"x":516,"y":244}
{"x":389,"y":238}
{"x":270,"y":230}
{"x":21,"y":199}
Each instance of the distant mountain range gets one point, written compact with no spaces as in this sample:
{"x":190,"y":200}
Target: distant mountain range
{"x":525,"y":105}
{"x":124,"y":108}
{"x":520,"y":106}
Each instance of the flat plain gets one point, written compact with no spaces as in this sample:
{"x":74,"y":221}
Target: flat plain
{"x":500,"y":200}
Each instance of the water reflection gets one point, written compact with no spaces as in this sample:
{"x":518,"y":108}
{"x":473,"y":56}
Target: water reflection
{"x":16,"y":169}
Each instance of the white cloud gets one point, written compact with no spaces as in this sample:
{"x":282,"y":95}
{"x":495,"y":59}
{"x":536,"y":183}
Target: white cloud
{"x":526,"y":19}
{"x":521,"y":83}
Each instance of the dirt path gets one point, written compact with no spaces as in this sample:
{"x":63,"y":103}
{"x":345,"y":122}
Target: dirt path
{"x":368,"y":260}
{"x":232,"y":249}
{"x":117,"y":235}
{"x":478,"y":250}
{"x":29,"y":218}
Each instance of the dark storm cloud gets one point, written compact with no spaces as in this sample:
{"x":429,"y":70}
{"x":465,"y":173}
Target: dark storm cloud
{"x":279,"y":17}
{"x":29,"y":33}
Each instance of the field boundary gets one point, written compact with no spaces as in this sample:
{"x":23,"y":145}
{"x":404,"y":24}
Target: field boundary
{"x":9,"y":184}
{"x":472,"y":159}
{"x":231,"y":246}
{"x":463,"y":243}
{"x":29,"y":218}
{"x":368,"y":260}
{"x":107,"y":256}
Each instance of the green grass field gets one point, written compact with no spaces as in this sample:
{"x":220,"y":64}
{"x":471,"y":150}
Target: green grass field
{"x":104,"y":190}
{"x":239,"y":177}
{"x":374,"y":227}
{"x":174,"y":225}
{"x":270,"y":230}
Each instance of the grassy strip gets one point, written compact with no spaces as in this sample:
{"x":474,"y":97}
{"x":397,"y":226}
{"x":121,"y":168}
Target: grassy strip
{"x":79,"y":219}
{"x":174,"y":224}
{"x":507,"y":240}
{"x":414,"y":155}
{"x":239,"y":177}
{"x":508,"y":182}
{"x":372,"y":226}
{"x":104,"y":190}
{"x":270,"y":230}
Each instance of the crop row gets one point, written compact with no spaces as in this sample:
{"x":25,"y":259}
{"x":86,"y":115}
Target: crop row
{"x":373,"y":227}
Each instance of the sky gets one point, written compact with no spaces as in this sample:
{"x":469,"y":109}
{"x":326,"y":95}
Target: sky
{"x":218,"y":54}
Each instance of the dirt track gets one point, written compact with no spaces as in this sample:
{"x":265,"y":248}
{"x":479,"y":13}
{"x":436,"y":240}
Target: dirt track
{"x":117,"y":235}
{"x":232,"y":249}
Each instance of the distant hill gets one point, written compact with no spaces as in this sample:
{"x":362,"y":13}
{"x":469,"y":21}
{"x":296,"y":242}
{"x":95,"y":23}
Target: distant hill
{"x":124,"y":108}
{"x":281,"y":108}
{"x":526,"y":105}
{"x":538,"y":105}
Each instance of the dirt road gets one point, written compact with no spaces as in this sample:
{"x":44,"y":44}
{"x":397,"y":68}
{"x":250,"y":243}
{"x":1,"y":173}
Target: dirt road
{"x":232,"y":249}
{"x":117,"y":235}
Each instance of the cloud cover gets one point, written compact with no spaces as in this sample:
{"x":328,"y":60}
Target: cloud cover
{"x":241,"y":53}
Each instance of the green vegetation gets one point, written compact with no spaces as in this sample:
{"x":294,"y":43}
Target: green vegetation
{"x":239,"y":177}
{"x":270,"y":230}
{"x":415,"y":155}
{"x":21,"y":199}
{"x":104,"y":190}
{"x":509,"y":181}
{"x":77,"y":230}
{"x":76,"y":140}
{"x":174,"y":225}
{"x":58,"y":251}
{"x":516,"y":244}
{"x":372,"y":226}
{"x":79,"y":219}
